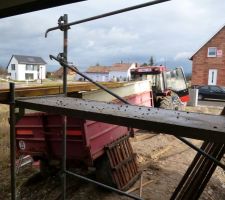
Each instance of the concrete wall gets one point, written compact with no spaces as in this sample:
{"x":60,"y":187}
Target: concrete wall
{"x":202,"y":63}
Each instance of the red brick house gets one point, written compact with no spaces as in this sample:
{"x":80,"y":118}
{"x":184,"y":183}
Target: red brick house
{"x":208,"y":66}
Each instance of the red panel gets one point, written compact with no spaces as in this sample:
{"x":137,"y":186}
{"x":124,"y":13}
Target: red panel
{"x":185,"y":98}
{"x":85,"y":139}
{"x":73,"y":132}
{"x":24,"y":132}
{"x":100,"y":134}
{"x":148,"y":69}
{"x":143,"y":99}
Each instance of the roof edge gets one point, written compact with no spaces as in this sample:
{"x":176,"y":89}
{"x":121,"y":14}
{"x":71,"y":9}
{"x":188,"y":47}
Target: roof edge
{"x":9,"y":62}
{"x":191,"y":58}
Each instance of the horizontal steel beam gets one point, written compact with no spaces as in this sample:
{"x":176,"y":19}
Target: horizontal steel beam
{"x":185,"y":124}
{"x":51,"y":90}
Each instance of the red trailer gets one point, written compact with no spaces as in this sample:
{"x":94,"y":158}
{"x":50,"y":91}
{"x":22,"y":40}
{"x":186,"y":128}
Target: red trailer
{"x":40,"y":135}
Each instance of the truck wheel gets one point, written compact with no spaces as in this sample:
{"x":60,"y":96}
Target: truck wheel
{"x":104,"y":172}
{"x":171,"y":102}
{"x":166,"y":103}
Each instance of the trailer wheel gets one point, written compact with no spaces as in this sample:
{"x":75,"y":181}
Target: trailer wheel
{"x":46,"y":169}
{"x":104,"y":172}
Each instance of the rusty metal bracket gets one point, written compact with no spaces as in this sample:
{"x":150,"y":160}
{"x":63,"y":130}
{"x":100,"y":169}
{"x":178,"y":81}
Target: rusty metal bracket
{"x":62,"y":23}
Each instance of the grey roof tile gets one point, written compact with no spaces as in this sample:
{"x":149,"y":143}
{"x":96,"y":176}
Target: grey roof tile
{"x":29,"y":59}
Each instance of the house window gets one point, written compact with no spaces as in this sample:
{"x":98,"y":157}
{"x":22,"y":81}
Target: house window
{"x":13,"y":67}
{"x":36,"y":67}
{"x":29,"y":67}
{"x":212,"y":51}
{"x":29,"y":76}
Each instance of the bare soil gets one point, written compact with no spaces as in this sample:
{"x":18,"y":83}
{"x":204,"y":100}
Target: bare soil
{"x":162,"y":159}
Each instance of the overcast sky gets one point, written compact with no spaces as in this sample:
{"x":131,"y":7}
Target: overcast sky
{"x":171,"y":32}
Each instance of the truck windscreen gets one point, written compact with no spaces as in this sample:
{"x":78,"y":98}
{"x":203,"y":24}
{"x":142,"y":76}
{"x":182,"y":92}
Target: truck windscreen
{"x":175,"y":80}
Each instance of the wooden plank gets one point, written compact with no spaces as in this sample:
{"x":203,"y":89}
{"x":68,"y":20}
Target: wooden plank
{"x":52,"y":90}
{"x":137,"y":187}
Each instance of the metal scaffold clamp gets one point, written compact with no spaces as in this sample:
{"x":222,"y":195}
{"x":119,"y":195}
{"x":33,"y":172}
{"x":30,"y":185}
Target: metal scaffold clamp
{"x":62,"y":23}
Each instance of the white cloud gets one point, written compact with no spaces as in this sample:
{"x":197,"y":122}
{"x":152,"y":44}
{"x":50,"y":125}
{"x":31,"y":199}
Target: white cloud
{"x":182,"y":55}
{"x":171,"y":30}
{"x":90,"y":43}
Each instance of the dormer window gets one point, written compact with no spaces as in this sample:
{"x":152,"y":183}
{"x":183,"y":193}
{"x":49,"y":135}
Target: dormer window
{"x":212,"y":51}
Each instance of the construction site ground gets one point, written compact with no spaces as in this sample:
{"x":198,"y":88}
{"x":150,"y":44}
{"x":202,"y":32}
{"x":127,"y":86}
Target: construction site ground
{"x":163,"y":160}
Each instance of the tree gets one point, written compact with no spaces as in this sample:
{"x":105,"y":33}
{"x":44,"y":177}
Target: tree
{"x":3,"y":71}
{"x":144,"y":64}
{"x":151,"y":61}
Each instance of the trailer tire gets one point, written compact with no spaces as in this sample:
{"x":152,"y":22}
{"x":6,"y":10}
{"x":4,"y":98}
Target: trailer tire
{"x":104,"y":172}
{"x":46,"y":169}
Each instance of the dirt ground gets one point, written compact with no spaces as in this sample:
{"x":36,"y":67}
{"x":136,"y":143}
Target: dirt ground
{"x":162,"y":159}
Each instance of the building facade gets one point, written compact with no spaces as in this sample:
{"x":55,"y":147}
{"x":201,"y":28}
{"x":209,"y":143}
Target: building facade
{"x":22,"y":68}
{"x":58,"y":74}
{"x":116,"y":72}
{"x":121,"y":71}
{"x":208,"y":63}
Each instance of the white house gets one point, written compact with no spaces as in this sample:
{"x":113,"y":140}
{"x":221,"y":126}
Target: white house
{"x":23,"y":68}
{"x":117,"y":72}
{"x":97,"y":73}
{"x":121,"y":71}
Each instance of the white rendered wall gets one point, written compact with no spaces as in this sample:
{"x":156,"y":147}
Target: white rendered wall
{"x":99,"y":77}
{"x":13,"y":72}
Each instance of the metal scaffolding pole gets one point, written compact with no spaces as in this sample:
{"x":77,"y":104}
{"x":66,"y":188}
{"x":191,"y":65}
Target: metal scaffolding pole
{"x":63,"y":20}
{"x":12,"y":141}
{"x":151,"y":3}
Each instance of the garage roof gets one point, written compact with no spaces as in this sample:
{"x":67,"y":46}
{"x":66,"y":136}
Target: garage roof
{"x":15,"y":7}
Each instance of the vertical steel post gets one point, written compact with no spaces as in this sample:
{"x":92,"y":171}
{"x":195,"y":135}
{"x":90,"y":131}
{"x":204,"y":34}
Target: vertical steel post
{"x":65,"y":48}
{"x":12,"y":141}
{"x":64,"y":158}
